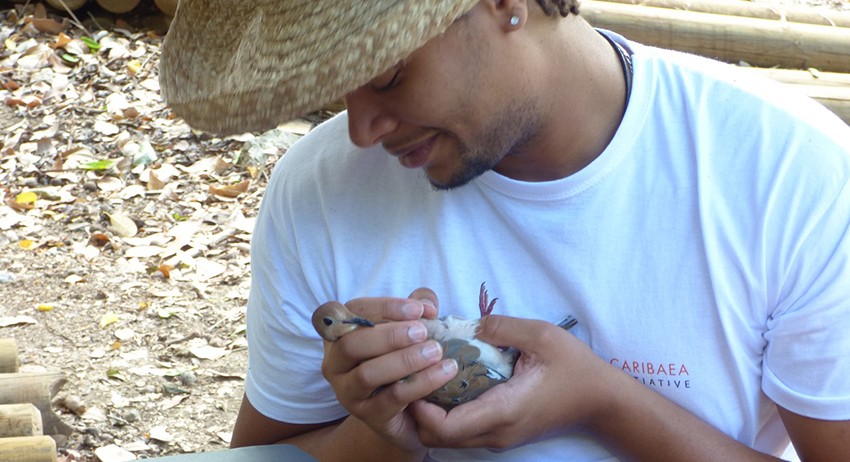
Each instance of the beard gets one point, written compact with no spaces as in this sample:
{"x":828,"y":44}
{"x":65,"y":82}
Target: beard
{"x":508,"y":134}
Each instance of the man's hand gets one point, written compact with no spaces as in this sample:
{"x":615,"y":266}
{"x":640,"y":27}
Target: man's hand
{"x":555,"y":385}
{"x":366,"y":367}
{"x":559,"y":383}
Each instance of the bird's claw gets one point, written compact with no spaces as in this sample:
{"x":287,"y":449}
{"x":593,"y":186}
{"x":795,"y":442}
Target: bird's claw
{"x":483,"y":306}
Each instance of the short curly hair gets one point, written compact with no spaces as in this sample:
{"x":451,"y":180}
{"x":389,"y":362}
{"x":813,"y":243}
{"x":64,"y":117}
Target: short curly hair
{"x":563,"y":7}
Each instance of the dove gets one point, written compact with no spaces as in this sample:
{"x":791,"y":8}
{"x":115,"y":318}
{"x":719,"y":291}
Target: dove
{"x":481,"y":366}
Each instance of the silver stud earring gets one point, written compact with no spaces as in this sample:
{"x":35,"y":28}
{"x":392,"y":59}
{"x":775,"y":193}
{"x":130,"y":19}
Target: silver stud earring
{"x":514,"y":20}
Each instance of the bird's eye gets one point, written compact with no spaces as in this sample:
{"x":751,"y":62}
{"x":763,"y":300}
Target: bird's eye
{"x":328,"y":321}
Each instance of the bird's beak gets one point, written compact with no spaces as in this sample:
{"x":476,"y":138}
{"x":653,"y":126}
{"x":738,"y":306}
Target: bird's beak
{"x":359,"y":321}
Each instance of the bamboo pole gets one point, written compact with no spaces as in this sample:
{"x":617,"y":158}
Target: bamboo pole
{"x":828,"y":88}
{"x":118,"y":6}
{"x":28,"y":449}
{"x":70,"y":4}
{"x":38,"y":389}
{"x":168,"y":7}
{"x":20,"y":420}
{"x":9,"y":355}
{"x":759,"y":42}
{"x":806,"y":77}
{"x":790,"y":13}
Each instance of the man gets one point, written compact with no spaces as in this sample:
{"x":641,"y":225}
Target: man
{"x":696,"y":224}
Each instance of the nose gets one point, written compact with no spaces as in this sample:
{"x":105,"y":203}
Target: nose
{"x":368,"y":120}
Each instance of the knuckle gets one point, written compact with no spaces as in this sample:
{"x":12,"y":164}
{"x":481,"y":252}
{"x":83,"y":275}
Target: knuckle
{"x":395,"y":394}
{"x":411,"y":361}
{"x":433,"y":439}
{"x":398,"y":336}
{"x":326,"y":370}
{"x":424,"y":293}
{"x":360,"y":378}
{"x":548,"y":333}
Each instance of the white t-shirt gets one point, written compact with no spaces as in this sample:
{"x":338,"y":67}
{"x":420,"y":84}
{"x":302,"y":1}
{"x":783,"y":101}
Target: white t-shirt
{"x":705,"y":252}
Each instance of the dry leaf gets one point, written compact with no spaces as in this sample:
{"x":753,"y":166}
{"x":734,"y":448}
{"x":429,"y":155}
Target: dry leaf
{"x":10,"y":321}
{"x":207,"y":269}
{"x":134,"y":190}
{"x":165,"y":270}
{"x":106,"y":128}
{"x":27,"y":244}
{"x":124,"y":334}
{"x":114,"y":453}
{"x":99,"y":239}
{"x":108,"y":318}
{"x":20,"y":206}
{"x":110,"y":184}
{"x":122,"y":224}
{"x":231,"y":191}
{"x":160,"y":433}
{"x":144,"y":251}
{"x":154,"y":183}
{"x":26,"y":198}
{"x":46,"y":25}
{"x":208,"y":352}
{"x":61,"y":40}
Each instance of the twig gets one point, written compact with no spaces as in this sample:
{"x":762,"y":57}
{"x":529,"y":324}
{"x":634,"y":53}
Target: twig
{"x":76,"y":20}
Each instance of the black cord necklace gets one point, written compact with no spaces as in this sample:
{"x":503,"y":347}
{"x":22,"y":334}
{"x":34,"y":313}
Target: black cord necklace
{"x":625,"y":62}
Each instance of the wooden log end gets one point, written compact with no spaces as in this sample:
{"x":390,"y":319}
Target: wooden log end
{"x":28,"y":449}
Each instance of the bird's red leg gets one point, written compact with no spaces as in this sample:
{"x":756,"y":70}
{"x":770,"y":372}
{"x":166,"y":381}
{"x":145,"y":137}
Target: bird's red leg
{"x":483,"y":296}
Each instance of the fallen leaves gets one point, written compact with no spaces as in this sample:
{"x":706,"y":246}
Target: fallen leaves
{"x":122,"y":224}
{"x":20,"y":320}
{"x":151,"y":222}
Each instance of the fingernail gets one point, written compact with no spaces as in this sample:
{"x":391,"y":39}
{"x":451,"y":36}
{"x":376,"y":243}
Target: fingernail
{"x":431,"y":350}
{"x":449,"y":367}
{"x":412,"y":310}
{"x":417,"y":332}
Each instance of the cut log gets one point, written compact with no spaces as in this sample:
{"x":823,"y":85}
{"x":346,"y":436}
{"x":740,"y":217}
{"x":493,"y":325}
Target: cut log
{"x":70,"y":4}
{"x":168,"y":7}
{"x":759,"y":42}
{"x":19,"y":420}
{"x":37,"y":389}
{"x":807,"y":77}
{"x":118,"y":6}
{"x":836,"y":99}
{"x":28,"y":449}
{"x":9,"y":361}
{"x":828,"y":88}
{"x":790,"y":13}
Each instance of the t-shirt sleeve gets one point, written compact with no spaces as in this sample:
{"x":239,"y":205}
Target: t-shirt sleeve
{"x":807,"y":358}
{"x":284,"y":380}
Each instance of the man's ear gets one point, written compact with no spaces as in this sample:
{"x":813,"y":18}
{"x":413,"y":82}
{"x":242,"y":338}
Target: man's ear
{"x":510,"y":14}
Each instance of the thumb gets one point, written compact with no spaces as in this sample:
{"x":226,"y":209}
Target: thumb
{"x":522,"y":334}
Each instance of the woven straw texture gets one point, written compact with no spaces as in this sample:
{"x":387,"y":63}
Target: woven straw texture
{"x":232,"y":66}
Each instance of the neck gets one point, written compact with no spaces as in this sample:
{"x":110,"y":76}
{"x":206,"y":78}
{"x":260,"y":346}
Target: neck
{"x":579,"y":120}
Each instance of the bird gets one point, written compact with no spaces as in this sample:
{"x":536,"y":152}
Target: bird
{"x":481,"y":366}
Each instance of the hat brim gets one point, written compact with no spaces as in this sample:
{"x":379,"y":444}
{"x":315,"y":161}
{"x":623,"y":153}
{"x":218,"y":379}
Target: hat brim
{"x":248,"y":65}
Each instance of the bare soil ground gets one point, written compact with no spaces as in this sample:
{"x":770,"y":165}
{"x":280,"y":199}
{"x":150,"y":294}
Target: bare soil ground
{"x":125,"y":235}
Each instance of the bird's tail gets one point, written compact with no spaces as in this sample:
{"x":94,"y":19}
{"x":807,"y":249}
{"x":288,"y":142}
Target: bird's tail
{"x":568,"y":322}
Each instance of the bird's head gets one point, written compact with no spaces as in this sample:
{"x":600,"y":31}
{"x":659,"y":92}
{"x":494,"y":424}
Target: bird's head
{"x":333,"y":320}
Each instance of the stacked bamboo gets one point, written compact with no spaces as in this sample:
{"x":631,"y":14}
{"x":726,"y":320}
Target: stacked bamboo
{"x":168,"y":7}
{"x":25,"y":410}
{"x":812,"y":47}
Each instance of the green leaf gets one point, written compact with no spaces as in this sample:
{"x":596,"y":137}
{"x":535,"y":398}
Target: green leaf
{"x":114,"y":373}
{"x":92,"y":44}
{"x":104,"y":164}
{"x":68,"y":57}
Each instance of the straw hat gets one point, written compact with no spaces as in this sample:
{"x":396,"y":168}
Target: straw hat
{"x":231,"y":66}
